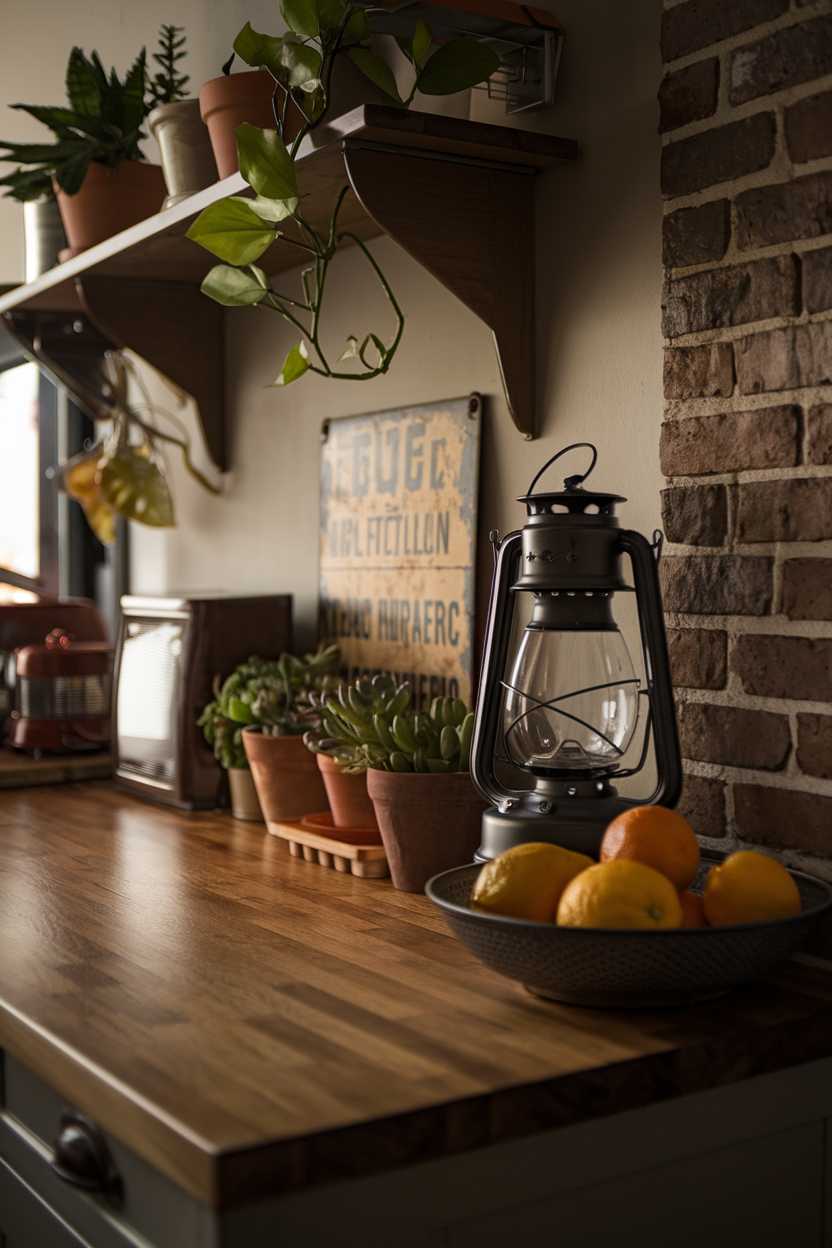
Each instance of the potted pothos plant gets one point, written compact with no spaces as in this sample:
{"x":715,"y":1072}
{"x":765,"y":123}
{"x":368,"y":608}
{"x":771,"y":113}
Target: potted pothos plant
{"x":175,"y":122}
{"x":301,"y":66}
{"x":274,"y":708}
{"x":99,"y":176}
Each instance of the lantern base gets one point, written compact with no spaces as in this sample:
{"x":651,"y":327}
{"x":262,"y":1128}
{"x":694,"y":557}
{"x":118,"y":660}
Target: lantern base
{"x":573,"y":823}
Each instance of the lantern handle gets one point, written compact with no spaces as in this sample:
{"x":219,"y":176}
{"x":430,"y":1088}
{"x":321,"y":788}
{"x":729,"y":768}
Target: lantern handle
{"x":570,"y":483}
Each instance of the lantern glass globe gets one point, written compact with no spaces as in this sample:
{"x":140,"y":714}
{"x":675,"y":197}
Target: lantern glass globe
{"x":573,"y":701}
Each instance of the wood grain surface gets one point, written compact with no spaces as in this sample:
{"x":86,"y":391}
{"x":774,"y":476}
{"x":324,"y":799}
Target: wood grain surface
{"x":250,"y":1023}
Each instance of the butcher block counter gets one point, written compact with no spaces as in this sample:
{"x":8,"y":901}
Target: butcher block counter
{"x":272,"y":1052}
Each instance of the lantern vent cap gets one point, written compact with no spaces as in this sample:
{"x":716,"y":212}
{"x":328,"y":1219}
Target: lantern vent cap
{"x":573,"y":498}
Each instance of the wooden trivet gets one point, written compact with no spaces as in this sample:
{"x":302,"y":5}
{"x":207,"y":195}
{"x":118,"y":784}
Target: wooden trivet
{"x":367,"y":861}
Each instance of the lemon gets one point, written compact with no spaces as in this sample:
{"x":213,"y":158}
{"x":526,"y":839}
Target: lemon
{"x":620,"y":894}
{"x":526,"y":882}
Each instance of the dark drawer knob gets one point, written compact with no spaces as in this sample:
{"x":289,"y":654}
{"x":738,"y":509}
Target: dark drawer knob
{"x":81,"y":1156}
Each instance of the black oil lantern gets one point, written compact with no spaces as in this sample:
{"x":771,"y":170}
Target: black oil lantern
{"x":564,"y":704}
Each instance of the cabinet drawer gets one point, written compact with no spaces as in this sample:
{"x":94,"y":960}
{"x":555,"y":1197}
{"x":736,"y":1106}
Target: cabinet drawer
{"x":148,"y":1211}
{"x":25,"y":1220}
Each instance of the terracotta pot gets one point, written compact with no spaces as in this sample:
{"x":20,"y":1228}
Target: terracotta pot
{"x":185,"y":148}
{"x":285,"y":775}
{"x":110,"y":200}
{"x":429,"y":823}
{"x":348,"y":798}
{"x":244,"y":803}
{"x":226,"y":102}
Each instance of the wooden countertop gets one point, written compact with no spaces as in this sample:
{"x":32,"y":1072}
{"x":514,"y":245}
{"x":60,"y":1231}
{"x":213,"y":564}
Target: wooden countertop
{"x":251,"y":1023}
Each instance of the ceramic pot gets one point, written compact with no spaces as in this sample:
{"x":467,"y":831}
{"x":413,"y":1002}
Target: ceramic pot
{"x":43,"y":236}
{"x":110,"y":200}
{"x":285,"y":775}
{"x":429,"y":823}
{"x":185,"y":148}
{"x":226,"y":102}
{"x":349,"y":800}
{"x":244,"y":803}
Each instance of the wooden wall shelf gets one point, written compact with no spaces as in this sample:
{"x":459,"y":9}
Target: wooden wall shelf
{"x":457,"y":195}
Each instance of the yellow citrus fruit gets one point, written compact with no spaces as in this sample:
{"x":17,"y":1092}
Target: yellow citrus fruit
{"x":620,"y":894}
{"x":660,"y":838}
{"x":749,"y":888}
{"x":526,"y":882}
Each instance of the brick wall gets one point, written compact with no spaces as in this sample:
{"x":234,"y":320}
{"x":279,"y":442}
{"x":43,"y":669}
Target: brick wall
{"x":746,"y":444}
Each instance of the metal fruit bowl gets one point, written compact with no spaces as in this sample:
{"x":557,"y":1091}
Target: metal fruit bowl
{"x":614,"y":969}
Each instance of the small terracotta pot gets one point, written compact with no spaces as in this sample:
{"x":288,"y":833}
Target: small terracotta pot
{"x":287,"y":780}
{"x":348,"y":798}
{"x":185,"y":148}
{"x":244,"y":803}
{"x":110,"y":200}
{"x":429,"y":823}
{"x":226,"y":102}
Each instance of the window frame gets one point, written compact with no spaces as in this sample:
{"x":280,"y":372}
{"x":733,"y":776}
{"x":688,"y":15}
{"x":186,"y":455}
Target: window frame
{"x":47,"y":582}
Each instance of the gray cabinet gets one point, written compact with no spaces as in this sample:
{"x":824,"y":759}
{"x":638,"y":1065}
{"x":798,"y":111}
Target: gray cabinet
{"x":26,"y":1221}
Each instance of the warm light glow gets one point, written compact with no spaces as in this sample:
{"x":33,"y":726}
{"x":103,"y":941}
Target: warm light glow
{"x":588,"y":681}
{"x":19,"y":471}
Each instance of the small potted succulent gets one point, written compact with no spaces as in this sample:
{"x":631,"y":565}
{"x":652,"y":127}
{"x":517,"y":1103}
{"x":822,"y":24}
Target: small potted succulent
{"x":274,"y":710}
{"x":224,"y":734}
{"x":175,"y":122}
{"x":100,"y":179}
{"x":427,"y":807}
{"x":346,"y":742}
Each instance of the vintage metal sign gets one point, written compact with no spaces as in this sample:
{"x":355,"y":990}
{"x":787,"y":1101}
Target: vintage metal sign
{"x":398,"y":539}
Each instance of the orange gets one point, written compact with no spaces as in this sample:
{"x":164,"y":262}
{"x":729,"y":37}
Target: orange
{"x":620,"y":894}
{"x":693,"y":909}
{"x":526,"y":882}
{"x":749,"y":888}
{"x":658,"y":838}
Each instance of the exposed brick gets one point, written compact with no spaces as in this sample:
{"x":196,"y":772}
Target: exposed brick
{"x":695,"y":515}
{"x":731,"y":442}
{"x":807,"y":589}
{"x":814,"y":745}
{"x":699,"y":372}
{"x":697,"y":657}
{"x":798,"y":510}
{"x":718,"y":155}
{"x":731,"y":296}
{"x":695,"y":235}
{"x":785,"y":359}
{"x":703,"y":805}
{"x":717,"y":585}
{"x":817,"y":279}
{"x":688,"y":95}
{"x":808,"y":126}
{"x":783,"y":59}
{"x":734,"y":736}
{"x":688,"y":27}
{"x":784,"y":818}
{"x":801,"y":208}
{"x":784,"y":667}
{"x":819,"y":434}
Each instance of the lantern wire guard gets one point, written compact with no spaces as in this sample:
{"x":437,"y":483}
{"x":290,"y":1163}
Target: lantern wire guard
{"x":571,"y":740}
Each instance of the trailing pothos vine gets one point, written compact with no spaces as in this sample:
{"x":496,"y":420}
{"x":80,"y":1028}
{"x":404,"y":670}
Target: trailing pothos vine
{"x":239,"y":230}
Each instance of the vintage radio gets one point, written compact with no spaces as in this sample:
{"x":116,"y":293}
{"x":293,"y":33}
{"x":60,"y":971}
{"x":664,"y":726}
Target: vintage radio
{"x":170,"y":649}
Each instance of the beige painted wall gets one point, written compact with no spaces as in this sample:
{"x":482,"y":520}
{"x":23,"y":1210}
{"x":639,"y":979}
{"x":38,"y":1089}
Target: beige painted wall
{"x":599,"y":285}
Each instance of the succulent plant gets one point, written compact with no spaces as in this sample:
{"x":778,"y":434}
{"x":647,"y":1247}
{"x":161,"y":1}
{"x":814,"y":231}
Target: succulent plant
{"x":370,"y":724}
{"x":274,"y":694}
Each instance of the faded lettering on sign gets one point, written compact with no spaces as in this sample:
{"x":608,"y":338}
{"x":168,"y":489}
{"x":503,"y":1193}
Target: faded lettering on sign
{"x":398,"y":536}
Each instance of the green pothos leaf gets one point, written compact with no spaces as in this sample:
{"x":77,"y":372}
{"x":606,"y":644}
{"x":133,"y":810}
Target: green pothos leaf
{"x":232,"y":231}
{"x":456,"y":66}
{"x":258,"y":50}
{"x":135,"y":485}
{"x":265,"y":162}
{"x":374,"y":68}
{"x":236,"y":288}
{"x":294,"y":366}
{"x":420,"y":47}
{"x":271,"y":209}
{"x":301,"y":16}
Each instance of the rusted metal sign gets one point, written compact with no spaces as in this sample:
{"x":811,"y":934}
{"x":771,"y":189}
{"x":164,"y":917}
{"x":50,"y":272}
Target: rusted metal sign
{"x":398,"y":540}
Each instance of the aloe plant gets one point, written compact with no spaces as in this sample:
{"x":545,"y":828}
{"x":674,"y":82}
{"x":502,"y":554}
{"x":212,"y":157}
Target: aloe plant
{"x":238,"y":231}
{"x":371,"y":724}
{"x":102,"y":124}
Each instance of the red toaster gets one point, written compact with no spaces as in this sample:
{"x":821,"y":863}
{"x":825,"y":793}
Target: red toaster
{"x":62,"y":691}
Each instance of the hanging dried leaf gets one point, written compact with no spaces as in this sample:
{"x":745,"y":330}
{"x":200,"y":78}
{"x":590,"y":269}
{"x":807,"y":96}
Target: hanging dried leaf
{"x":133,"y":482}
{"x":79,"y":478}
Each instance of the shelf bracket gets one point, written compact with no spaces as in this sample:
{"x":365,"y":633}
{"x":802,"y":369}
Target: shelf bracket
{"x":470,"y":223}
{"x":69,"y":350}
{"x":177,"y":330}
